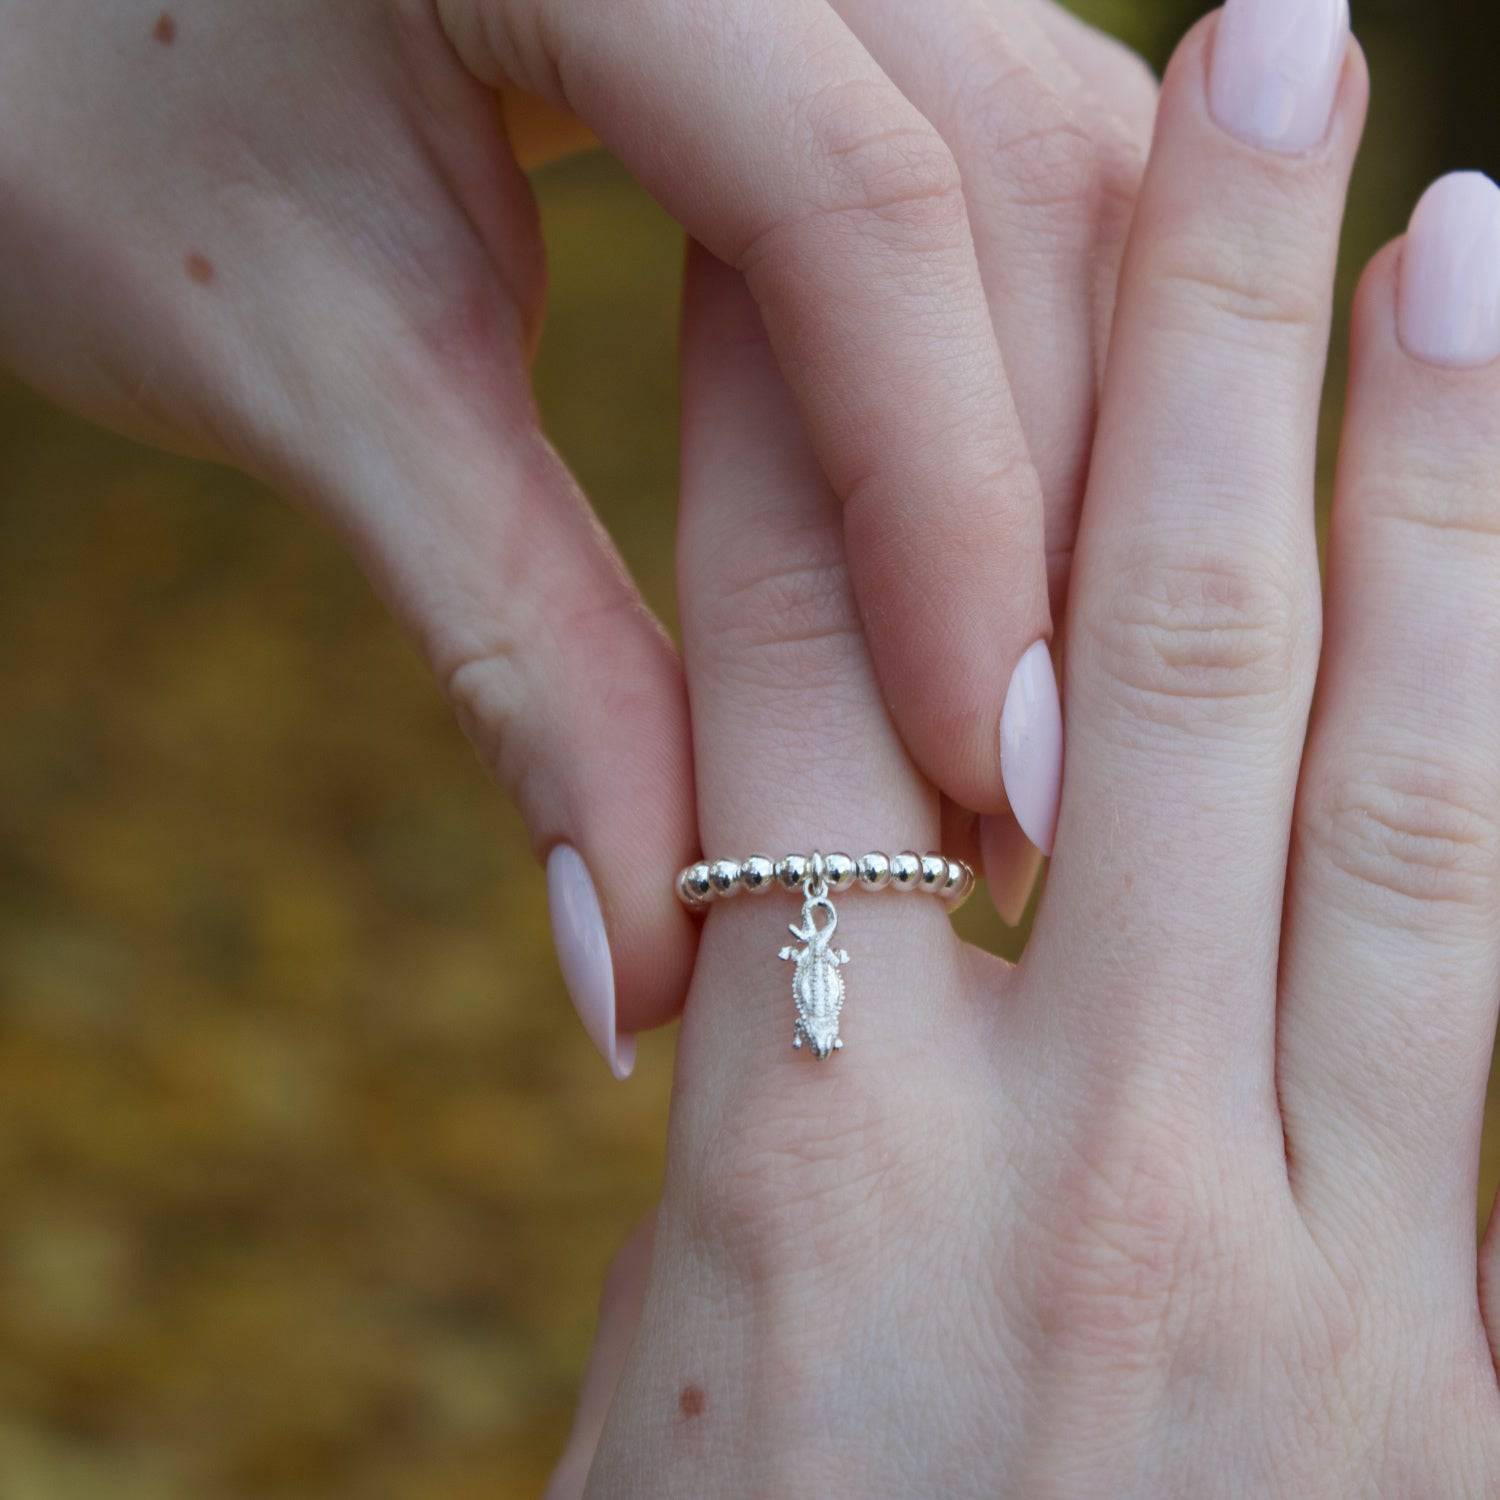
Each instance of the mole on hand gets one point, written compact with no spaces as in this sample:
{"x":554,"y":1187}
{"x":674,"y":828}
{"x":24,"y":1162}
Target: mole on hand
{"x":199,"y":268}
{"x":165,"y":30}
{"x":692,"y":1401}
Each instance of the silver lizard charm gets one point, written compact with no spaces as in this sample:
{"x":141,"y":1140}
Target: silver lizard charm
{"x":817,"y":985}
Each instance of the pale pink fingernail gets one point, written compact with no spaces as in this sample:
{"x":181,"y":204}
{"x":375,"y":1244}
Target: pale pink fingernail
{"x":1011,"y":865}
{"x":583,"y":955}
{"x":1276,"y":70}
{"x":1031,"y":746}
{"x":1448,"y":300}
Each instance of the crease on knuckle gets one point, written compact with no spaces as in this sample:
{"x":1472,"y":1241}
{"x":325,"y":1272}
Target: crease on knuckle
{"x":1034,"y":152}
{"x":501,"y":43}
{"x":486,"y":684}
{"x":1405,"y":831}
{"x":1200,"y":637}
{"x":1208,"y":282}
{"x":791,"y":622}
{"x":485,"y":690}
{"x":1439,"y":498}
{"x":882,"y":175}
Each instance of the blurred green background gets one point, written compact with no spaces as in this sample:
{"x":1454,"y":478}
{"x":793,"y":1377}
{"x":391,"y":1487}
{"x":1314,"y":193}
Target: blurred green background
{"x":309,"y":1175}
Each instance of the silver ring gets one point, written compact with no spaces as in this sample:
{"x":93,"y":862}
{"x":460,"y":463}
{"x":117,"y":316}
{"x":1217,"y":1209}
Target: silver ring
{"x":817,"y":984}
{"x":700,"y":885}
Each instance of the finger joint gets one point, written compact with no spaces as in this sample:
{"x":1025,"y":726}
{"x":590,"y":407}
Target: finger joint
{"x":1405,"y":833}
{"x":1207,"y":637}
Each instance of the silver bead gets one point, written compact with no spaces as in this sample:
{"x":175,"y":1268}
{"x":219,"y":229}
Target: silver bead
{"x":956,"y":886}
{"x":791,"y":872}
{"x":756,"y":874}
{"x":906,"y":871}
{"x":874,"y":871}
{"x":934,"y":873}
{"x":693,"y":885}
{"x":724,"y":877}
{"x":838,"y":871}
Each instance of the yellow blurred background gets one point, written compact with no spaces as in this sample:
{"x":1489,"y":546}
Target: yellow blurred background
{"x":309,"y":1175}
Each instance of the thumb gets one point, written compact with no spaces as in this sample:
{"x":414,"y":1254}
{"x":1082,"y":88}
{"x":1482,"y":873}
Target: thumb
{"x":476,"y":535}
{"x":620,"y":1307}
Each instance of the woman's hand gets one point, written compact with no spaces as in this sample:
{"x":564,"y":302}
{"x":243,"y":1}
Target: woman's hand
{"x":1184,"y":1204}
{"x":292,"y":236}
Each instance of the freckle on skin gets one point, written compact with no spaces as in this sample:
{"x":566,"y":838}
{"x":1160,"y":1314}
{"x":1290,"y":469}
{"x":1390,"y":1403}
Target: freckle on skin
{"x":692,"y":1401}
{"x":165,"y":30}
{"x":199,"y":268}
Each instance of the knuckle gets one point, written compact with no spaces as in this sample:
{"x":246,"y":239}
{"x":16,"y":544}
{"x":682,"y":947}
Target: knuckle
{"x":1197,"y":637}
{"x":486,"y":689}
{"x":794,"y":621}
{"x":1407,"y":831}
{"x":491,"y":682}
{"x":498,"y":43}
{"x":1033,"y":151}
{"x":1434,"y":491}
{"x":1206,"y":280}
{"x":1130,"y":1229}
{"x":768,"y":1188}
{"x":877,"y":171}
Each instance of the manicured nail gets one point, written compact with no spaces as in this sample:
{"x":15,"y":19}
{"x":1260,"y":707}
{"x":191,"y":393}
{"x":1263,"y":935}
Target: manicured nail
{"x":1031,"y":746}
{"x":583,"y":955}
{"x":1011,"y":865}
{"x":1276,"y":70}
{"x":1448,"y":299}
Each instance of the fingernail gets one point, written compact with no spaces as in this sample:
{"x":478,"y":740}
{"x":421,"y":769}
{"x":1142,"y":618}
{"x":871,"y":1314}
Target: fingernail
{"x":1031,"y":746}
{"x":1276,"y":70}
{"x":1011,"y":865}
{"x":583,"y":955}
{"x":1448,"y":297}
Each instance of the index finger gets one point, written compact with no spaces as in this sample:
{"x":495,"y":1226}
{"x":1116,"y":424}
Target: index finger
{"x":767,"y":129}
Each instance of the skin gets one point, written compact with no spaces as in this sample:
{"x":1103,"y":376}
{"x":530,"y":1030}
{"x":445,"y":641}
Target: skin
{"x":1183,"y":1205}
{"x":293,"y":237}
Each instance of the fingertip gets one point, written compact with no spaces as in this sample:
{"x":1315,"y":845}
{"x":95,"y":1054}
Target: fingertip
{"x":1294,"y":99}
{"x":623,"y":975}
{"x":1448,"y":285}
{"x":581,"y":940}
{"x":622,"y":1064}
{"x":1031,"y":746}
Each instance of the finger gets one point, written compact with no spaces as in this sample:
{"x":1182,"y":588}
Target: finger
{"x":1040,"y":201}
{"x":1193,"y":643}
{"x":769,"y":1146}
{"x":620,"y":1307}
{"x":1391,"y":963}
{"x":794,"y":746}
{"x":1050,"y":176}
{"x":475,"y":533}
{"x":1113,"y":90}
{"x":847,"y":218}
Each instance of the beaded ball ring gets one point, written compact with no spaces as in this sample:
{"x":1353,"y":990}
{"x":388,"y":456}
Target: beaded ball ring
{"x":701,"y":884}
{"x":817,"y":985}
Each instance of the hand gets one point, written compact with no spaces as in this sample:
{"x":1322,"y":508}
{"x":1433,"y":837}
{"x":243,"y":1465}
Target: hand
{"x":292,"y":236}
{"x":1183,"y":1205}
